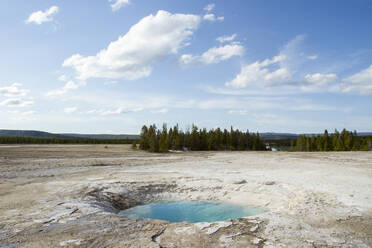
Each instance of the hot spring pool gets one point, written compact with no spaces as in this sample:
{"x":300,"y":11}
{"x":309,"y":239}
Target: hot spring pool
{"x":190,"y":211}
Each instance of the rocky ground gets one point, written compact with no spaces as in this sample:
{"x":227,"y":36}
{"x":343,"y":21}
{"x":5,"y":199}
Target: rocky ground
{"x":69,"y":196}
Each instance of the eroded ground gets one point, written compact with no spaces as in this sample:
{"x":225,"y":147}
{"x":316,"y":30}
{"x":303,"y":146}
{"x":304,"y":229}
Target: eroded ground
{"x":69,"y":196}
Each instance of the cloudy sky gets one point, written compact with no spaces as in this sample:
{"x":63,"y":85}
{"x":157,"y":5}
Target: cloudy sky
{"x":111,"y":66}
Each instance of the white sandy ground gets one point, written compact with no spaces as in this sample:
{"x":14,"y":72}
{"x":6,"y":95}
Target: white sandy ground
{"x":313,"y":199}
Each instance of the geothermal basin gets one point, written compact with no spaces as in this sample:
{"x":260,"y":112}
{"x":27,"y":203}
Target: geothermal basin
{"x":190,"y":211}
{"x":74,"y":195}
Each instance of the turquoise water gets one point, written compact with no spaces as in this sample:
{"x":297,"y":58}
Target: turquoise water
{"x":190,"y":211}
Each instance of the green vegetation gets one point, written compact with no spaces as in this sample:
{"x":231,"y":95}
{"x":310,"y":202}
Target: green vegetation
{"x":32,"y":140}
{"x":134,"y":145}
{"x":156,"y":140}
{"x":344,"y":141}
{"x":162,"y":140}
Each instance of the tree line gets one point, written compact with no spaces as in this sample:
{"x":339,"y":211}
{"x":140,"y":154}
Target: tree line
{"x":35,"y":140}
{"x":162,"y":140}
{"x":344,"y":141}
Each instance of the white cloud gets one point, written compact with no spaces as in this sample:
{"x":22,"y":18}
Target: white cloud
{"x":39,"y":17}
{"x":320,"y":79}
{"x":213,"y":55}
{"x":209,"y":7}
{"x":360,"y":82}
{"x":239,"y":112}
{"x":312,"y":57}
{"x":117,"y":4}
{"x":266,"y":116}
{"x":160,"y":111}
{"x":259,"y":74}
{"x":16,"y":112}
{"x":212,"y":17}
{"x":14,"y":90}
{"x":16,"y":102}
{"x":120,"y":110}
{"x":234,"y":104}
{"x":131,"y":57}
{"x":29,"y":113}
{"x":70,"y":110}
{"x":224,"y":103}
{"x":294,"y":60}
{"x":280,"y":72}
{"x":110,"y":82}
{"x":63,"y":78}
{"x":70,"y":85}
{"x":117,"y":111}
{"x":226,"y":38}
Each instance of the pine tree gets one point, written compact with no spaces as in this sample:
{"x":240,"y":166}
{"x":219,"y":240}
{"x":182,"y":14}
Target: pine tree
{"x":194,"y":138}
{"x":134,"y":145}
{"x":163,"y":140}
{"x":144,"y":143}
{"x":326,"y":142}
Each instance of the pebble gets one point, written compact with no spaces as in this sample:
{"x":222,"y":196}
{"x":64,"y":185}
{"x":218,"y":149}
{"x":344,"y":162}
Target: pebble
{"x":269,"y":183}
{"x":254,"y":229}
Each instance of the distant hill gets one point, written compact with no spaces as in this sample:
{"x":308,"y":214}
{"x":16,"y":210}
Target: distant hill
{"x":365,"y":134}
{"x":102,"y":136}
{"x":29,"y":133}
{"x":278,"y":136}
{"x":41,"y":134}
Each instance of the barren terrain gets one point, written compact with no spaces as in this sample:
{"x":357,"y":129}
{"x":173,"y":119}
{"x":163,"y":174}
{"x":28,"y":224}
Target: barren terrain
{"x":69,"y":196}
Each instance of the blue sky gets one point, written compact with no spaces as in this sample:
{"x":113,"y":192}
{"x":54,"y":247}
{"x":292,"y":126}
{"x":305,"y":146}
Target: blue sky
{"x":111,"y":66}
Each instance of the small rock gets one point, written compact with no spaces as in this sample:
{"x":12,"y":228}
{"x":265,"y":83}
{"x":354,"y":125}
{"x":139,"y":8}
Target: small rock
{"x":202,"y":225}
{"x":269,"y":183}
{"x":255,"y":221}
{"x":240,"y":181}
{"x":217,"y":226}
{"x":235,"y":181}
{"x":254,"y":229}
{"x":256,"y":241}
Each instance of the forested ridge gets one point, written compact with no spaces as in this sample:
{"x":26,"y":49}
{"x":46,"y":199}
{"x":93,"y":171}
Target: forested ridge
{"x":344,"y":141}
{"x":162,"y":140}
{"x":155,"y":140}
{"x":34,"y":140}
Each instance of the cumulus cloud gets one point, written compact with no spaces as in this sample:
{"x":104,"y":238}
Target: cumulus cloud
{"x":117,"y":4}
{"x":320,"y":79}
{"x":63,"y":78}
{"x":40,"y":17}
{"x":16,"y":102}
{"x":209,"y":7}
{"x":213,"y":55}
{"x":259,"y":74}
{"x":131,"y":56}
{"x":226,"y":38}
{"x":213,"y":18}
{"x":69,"y":85}
{"x":70,"y":110}
{"x":279,"y":71}
{"x":360,"y":82}
{"x":14,"y":90}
